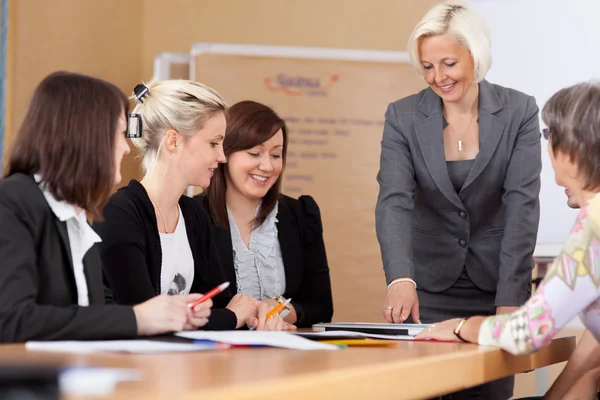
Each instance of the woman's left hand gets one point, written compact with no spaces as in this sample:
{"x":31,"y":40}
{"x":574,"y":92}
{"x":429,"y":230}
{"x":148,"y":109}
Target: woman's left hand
{"x":443,"y":331}
{"x":275,"y":323}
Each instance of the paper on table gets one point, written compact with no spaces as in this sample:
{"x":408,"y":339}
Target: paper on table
{"x":326,"y":335}
{"x":274,"y":339}
{"x":128,"y":346}
{"x":94,"y":381}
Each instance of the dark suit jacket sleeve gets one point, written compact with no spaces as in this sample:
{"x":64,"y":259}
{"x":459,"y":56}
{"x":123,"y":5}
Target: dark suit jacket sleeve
{"x":521,"y":199}
{"x":21,"y":318}
{"x":393,"y":212}
{"x":314,"y":302}
{"x":123,"y":255}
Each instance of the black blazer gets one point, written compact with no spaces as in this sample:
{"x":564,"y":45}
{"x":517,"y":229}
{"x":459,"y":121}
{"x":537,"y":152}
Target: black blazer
{"x":300,"y":234}
{"x":38,"y":295}
{"x":132,"y":257}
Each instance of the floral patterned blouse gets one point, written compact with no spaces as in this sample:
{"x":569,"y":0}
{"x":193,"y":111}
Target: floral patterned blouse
{"x":570,"y":287}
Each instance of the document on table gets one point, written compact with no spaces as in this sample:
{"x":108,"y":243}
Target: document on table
{"x":126,"y":346}
{"x":258,"y":338}
{"x":332,"y":335}
{"x":372,"y":328}
{"x":94,"y":381}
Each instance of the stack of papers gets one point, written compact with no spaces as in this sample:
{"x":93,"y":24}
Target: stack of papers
{"x":258,"y":338}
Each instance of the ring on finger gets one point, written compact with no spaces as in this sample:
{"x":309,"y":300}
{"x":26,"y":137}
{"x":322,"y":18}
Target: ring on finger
{"x":389,"y":308}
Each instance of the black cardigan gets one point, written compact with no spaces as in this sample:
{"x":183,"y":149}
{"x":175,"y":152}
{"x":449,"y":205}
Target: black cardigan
{"x":38,"y":294}
{"x":300,"y":234}
{"x":132,"y":257}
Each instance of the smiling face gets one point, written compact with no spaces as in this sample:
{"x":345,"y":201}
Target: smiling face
{"x":448,"y":66}
{"x":254,"y":171}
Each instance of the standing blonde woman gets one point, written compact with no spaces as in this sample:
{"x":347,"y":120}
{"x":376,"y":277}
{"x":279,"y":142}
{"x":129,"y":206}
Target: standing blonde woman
{"x":156,"y":240}
{"x":458,"y":210}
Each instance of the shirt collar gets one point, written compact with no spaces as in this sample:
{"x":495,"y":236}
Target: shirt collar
{"x":61,"y":209}
{"x":65,"y":211}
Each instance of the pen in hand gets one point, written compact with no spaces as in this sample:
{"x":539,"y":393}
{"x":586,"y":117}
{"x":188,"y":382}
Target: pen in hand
{"x":274,"y":311}
{"x":278,"y":308}
{"x":209,"y":295}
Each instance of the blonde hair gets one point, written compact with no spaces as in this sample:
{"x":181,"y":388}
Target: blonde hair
{"x":177,"y":104}
{"x":461,"y":22}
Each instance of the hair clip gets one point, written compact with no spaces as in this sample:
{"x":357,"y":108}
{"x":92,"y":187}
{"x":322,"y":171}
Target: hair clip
{"x":134,"y":126}
{"x":140,"y":91}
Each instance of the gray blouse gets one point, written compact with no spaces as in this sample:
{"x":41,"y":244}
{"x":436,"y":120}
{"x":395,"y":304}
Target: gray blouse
{"x":258,"y":268}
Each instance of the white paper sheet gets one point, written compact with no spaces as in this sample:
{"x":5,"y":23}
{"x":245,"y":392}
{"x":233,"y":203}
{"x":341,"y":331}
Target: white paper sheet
{"x":264,"y":338}
{"x":128,"y":346}
{"x":95,"y":381}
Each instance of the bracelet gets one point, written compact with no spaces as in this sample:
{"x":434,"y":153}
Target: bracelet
{"x":402,"y":280}
{"x":286,"y":310}
{"x":458,"y":328}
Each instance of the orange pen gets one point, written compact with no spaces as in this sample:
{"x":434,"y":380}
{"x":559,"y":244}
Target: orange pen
{"x":278,"y":308}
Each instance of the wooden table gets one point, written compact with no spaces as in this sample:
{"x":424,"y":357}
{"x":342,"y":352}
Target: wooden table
{"x":410,"y":370}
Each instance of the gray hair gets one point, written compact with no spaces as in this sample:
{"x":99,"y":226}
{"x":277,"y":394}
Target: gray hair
{"x":572,"y":116}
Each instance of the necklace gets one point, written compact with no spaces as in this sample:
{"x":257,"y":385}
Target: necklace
{"x":460,"y":142}
{"x":160,"y":213}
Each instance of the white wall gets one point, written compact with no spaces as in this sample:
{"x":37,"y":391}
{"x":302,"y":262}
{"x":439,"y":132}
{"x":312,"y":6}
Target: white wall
{"x":538,"y":47}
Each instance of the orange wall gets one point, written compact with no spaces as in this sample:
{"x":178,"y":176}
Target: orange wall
{"x":100,"y":38}
{"x":377,"y":25}
{"x":117,"y":40}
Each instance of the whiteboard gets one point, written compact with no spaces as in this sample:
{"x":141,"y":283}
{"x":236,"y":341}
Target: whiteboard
{"x":333,"y":101}
{"x":539,"y":47}
{"x":171,"y":66}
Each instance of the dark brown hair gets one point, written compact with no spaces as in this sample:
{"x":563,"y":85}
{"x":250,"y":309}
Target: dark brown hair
{"x":249,"y":124}
{"x":573,"y":118}
{"x":68,"y":137}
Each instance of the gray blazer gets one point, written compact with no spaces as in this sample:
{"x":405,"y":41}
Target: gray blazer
{"x":428,"y":231}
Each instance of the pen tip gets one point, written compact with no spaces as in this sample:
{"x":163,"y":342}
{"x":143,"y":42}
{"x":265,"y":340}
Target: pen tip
{"x":224,"y":285}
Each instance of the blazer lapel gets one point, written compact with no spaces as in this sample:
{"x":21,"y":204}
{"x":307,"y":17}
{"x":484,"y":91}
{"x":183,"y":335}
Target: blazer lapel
{"x":491,"y":129}
{"x":64,"y":237}
{"x":93,"y":275}
{"x":290,"y":243}
{"x":223,"y":240}
{"x":431,"y":142}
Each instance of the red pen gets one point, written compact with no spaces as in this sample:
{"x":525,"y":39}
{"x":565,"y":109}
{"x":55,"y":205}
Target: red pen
{"x":209,"y":295}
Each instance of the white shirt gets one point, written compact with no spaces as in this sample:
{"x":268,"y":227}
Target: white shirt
{"x":259,"y":268}
{"x":81,"y":238}
{"x":177,"y":268}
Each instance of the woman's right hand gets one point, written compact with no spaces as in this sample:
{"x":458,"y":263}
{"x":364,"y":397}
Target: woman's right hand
{"x":401,"y":301}
{"x":163,"y":314}
{"x":244,"y":307}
